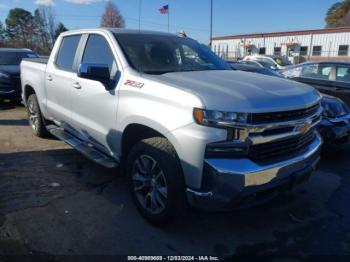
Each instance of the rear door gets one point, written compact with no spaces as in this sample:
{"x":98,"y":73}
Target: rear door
{"x":94,"y":110}
{"x":317,"y":75}
{"x":58,"y":77}
{"x":341,"y":83}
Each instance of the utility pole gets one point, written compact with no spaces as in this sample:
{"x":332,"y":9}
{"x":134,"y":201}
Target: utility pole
{"x":169,"y":17}
{"x":211,"y":22}
{"x":140,"y":9}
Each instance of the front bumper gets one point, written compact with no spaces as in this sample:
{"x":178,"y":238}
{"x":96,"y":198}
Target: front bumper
{"x":233,"y":182}
{"x":10,"y":89}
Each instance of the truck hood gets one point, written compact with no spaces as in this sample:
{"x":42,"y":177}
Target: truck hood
{"x":242,"y":91}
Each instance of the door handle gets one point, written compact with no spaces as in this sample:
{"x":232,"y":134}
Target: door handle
{"x":76,"y":85}
{"x":49,"y":78}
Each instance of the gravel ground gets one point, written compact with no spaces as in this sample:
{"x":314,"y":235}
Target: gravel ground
{"x":53,"y":201}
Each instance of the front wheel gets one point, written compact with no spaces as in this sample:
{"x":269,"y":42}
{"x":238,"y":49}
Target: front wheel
{"x":35,"y":117}
{"x":156,"y":180}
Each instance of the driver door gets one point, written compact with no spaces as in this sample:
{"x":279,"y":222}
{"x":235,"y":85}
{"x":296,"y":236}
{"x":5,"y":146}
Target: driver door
{"x":94,"y":108}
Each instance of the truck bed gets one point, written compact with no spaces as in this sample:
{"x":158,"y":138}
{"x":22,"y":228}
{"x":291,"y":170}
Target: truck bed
{"x":40,"y":60}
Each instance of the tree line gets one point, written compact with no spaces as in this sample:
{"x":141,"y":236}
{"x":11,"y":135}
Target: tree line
{"x":338,"y":15}
{"x":37,"y":31}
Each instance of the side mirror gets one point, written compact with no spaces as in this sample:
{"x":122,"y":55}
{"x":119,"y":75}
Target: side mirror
{"x":97,"y":72}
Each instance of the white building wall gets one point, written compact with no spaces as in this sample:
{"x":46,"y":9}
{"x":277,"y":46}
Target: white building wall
{"x":329,"y":42}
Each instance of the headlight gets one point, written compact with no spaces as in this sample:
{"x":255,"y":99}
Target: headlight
{"x":4,"y":75}
{"x":218,"y":118}
{"x":333,"y":107}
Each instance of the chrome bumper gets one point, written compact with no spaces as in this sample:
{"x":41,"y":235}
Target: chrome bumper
{"x":227,"y":182}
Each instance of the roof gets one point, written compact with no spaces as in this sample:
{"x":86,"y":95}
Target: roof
{"x":288,"y":33}
{"x":115,"y":31}
{"x":15,"y":50}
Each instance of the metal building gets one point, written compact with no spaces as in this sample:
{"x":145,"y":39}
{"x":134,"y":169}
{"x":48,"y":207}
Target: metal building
{"x":320,"y":44}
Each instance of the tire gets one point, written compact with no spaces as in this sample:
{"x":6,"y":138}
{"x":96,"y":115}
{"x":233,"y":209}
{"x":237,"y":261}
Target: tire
{"x":155,"y":177}
{"x":35,"y":118}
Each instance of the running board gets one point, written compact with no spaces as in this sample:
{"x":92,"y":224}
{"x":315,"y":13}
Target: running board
{"x":84,"y":148}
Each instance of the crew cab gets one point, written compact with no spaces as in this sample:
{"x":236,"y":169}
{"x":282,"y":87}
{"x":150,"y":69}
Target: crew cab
{"x":182,"y":125}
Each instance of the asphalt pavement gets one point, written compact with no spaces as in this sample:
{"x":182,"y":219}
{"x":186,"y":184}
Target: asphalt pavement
{"x":53,"y":201}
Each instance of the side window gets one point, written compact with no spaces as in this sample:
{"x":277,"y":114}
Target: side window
{"x":343,"y":74}
{"x":316,"y":50}
{"x":66,"y":52}
{"x":316,"y":71}
{"x":97,"y":51}
{"x":293,"y":73}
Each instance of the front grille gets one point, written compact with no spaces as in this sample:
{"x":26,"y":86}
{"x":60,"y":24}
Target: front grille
{"x":261,"y":118}
{"x":285,"y":147}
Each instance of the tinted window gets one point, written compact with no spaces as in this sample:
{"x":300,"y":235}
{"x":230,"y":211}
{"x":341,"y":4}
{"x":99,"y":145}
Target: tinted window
{"x":303,"y":50}
{"x":160,"y":54}
{"x":316,"y":50}
{"x":316,"y":71}
{"x":66,"y":53}
{"x":97,"y":51}
{"x":343,"y":74}
{"x":262,"y":50}
{"x":14,"y":58}
{"x":277,"y":51}
{"x":343,"y":50}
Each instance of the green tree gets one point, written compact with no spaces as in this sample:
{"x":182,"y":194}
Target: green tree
{"x":2,"y":34}
{"x":20,"y":27}
{"x":60,"y":29}
{"x":338,"y":14}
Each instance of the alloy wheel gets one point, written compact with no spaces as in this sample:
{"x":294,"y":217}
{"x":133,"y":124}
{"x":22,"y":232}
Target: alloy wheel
{"x":33,"y":115}
{"x":149,"y":184}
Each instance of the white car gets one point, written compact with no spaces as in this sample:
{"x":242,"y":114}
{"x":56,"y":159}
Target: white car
{"x":271,"y":62}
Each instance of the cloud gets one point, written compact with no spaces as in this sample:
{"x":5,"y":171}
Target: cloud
{"x":52,"y":2}
{"x":82,"y":1}
{"x":45,"y":2}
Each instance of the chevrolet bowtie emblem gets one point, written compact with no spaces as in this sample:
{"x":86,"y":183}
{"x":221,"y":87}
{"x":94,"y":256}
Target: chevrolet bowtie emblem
{"x":303,"y":128}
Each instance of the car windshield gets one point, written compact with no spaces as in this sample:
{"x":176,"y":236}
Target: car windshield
{"x":160,"y":54}
{"x":266,"y":63}
{"x":14,"y":58}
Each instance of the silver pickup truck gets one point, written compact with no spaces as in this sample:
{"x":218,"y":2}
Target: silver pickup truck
{"x":181,"y":124}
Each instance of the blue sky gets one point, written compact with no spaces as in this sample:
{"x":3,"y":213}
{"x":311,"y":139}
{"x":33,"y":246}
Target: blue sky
{"x":192,"y":16}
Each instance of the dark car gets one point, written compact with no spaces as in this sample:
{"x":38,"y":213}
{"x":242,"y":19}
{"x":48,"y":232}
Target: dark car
{"x":249,"y":67}
{"x":335,"y":124}
{"x":10,"y":82}
{"x":332,"y":78}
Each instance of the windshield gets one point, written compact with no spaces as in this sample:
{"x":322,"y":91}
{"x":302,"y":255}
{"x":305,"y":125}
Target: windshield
{"x":159,"y":54}
{"x":14,"y":58}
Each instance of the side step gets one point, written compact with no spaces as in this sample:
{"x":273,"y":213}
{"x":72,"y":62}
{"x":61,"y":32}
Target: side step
{"x":84,"y":148}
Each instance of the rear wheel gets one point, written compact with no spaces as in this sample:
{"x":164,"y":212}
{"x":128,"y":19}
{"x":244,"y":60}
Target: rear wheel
{"x":156,"y":180}
{"x":35,"y":118}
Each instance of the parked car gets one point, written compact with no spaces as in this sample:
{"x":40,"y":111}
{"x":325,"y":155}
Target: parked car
{"x":335,"y":124}
{"x":183,"y":125}
{"x":10,"y":58}
{"x":332,"y":78}
{"x":270,"y":62}
{"x":251,"y":63}
{"x":254,"y":69}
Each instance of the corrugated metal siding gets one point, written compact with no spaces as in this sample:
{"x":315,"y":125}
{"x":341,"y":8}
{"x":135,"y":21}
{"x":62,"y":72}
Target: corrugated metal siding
{"x":329,"y":42}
